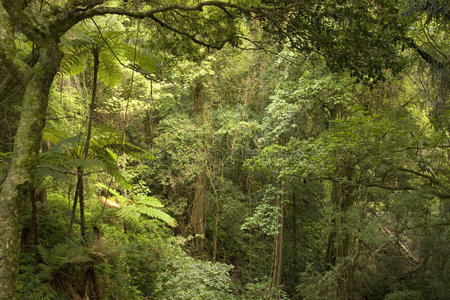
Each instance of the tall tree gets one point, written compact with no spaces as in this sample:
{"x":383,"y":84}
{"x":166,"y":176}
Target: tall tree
{"x":44,"y":28}
{"x":363,"y":36}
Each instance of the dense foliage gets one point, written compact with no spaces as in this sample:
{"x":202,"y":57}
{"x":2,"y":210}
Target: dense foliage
{"x":225,"y":150}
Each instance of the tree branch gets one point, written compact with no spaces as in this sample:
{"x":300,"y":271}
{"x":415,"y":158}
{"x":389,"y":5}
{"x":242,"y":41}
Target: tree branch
{"x":8,"y":52}
{"x":430,"y":178}
{"x":73,"y":14}
{"x":425,"y":55}
{"x":188,"y":35}
{"x":24,"y":22}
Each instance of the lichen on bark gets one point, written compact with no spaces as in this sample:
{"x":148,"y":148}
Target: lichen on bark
{"x":14,"y":195}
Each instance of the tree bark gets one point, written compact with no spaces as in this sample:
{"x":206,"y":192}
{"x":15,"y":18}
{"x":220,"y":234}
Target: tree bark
{"x":45,"y":31}
{"x":96,"y":54}
{"x":15,"y":189}
{"x":339,"y":238}
{"x":278,"y":252}
{"x":198,"y":202}
{"x":198,"y":207}
{"x":74,"y":207}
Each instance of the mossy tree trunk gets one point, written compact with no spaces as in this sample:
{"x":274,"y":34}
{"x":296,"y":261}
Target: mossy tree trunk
{"x":15,"y":191}
{"x":339,"y":238}
{"x":197,"y":216}
{"x":44,"y":30}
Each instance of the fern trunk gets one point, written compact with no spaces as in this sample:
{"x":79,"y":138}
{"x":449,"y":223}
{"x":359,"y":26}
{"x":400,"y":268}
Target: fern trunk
{"x":14,"y":195}
{"x":88,"y":140}
{"x":74,"y":206}
{"x":80,"y":185}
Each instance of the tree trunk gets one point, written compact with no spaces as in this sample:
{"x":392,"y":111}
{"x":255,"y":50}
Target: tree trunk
{"x":36,"y":196}
{"x":81,"y":201}
{"x":293,"y":281}
{"x":74,"y":207}
{"x":79,"y":192}
{"x":339,"y":238}
{"x":14,"y":195}
{"x":278,"y":252}
{"x":197,"y":218}
{"x":197,"y":96}
{"x":96,"y":54}
{"x":198,"y":207}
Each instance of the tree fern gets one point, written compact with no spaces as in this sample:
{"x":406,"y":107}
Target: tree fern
{"x":73,"y":254}
{"x":109,"y":70}
{"x":79,"y":42}
{"x":139,"y":58}
{"x":65,"y":156}
{"x":63,"y":255}
{"x":77,"y":48}
{"x":137,"y":205}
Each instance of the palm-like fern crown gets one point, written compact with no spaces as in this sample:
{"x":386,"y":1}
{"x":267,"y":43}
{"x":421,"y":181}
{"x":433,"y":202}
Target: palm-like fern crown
{"x":83,"y":40}
{"x":66,"y":156}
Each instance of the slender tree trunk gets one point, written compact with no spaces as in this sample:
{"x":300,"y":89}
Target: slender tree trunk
{"x":86,"y":146}
{"x":36,"y":196}
{"x":216,"y":231}
{"x":216,"y":221}
{"x":92,"y":105}
{"x":197,"y":95}
{"x":17,"y":185}
{"x":79,"y":193}
{"x":74,"y":207}
{"x":294,"y":252}
{"x":198,"y":207}
{"x":81,"y":201}
{"x":278,"y":251}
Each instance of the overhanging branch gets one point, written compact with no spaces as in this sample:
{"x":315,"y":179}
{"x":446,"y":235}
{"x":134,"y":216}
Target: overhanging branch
{"x":432,"y":60}
{"x":190,"y":36}
{"x":73,"y":14}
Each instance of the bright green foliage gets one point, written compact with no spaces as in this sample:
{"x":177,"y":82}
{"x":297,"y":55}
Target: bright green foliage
{"x":66,"y":155}
{"x":257,"y":150}
{"x":131,"y":209}
{"x":88,"y":37}
{"x":263,"y":219}
{"x":188,"y":278}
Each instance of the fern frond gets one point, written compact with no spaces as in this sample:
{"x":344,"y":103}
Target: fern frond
{"x":69,"y":253}
{"x":138,"y":58}
{"x":129,"y":213}
{"x":85,"y":163}
{"x":54,"y":134}
{"x":109,"y":71}
{"x":122,"y":200}
{"x":75,"y":61}
{"x":157,"y":214}
{"x":142,"y":205}
{"x":63,"y":145}
{"x":148,"y":200}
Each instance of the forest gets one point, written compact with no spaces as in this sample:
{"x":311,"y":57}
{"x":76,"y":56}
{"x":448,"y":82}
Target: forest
{"x":232,"y":149}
